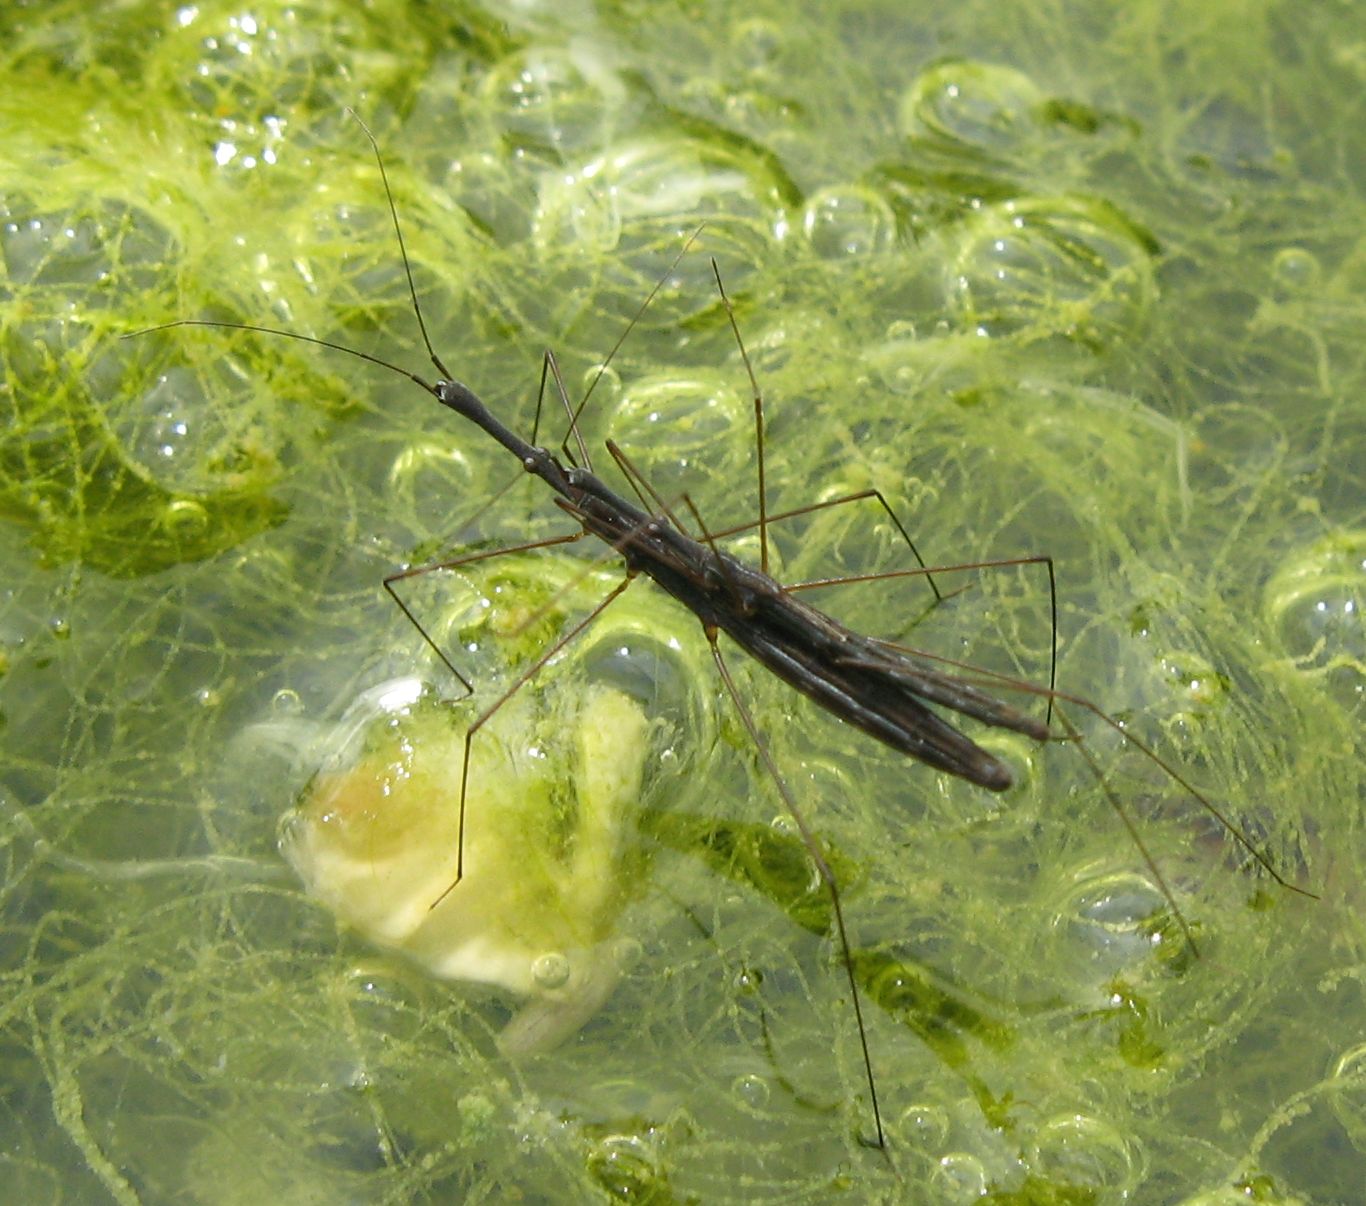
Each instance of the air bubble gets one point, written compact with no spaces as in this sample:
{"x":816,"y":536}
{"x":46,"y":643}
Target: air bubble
{"x":753,"y":1090}
{"x":975,"y":104}
{"x":924,"y":1126}
{"x":626,"y":1166}
{"x":959,"y":1177}
{"x":286,"y":702}
{"x":429,"y":467}
{"x":1296,"y":270}
{"x":1194,"y":677}
{"x":382,"y":1004}
{"x":553,"y":99}
{"x":748,"y":981}
{"x":1112,"y":920}
{"x":185,"y":519}
{"x":1315,"y":601}
{"x":1077,"y":1150}
{"x":1349,"y":1093}
{"x":1068,"y":266}
{"x":551,"y":971}
{"x":848,"y":222}
{"x":635,"y":210}
{"x":757,"y":44}
{"x":627,"y":953}
{"x":709,"y":429}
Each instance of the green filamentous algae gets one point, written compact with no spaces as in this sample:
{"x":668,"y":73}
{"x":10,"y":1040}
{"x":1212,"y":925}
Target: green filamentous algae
{"x":1084,"y":280}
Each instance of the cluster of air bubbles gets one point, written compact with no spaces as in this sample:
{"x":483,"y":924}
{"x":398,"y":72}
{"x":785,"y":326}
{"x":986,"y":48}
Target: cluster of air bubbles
{"x":632,"y":209}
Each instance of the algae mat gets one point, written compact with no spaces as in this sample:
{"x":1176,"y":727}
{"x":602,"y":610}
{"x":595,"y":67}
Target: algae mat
{"x":1083,"y":279}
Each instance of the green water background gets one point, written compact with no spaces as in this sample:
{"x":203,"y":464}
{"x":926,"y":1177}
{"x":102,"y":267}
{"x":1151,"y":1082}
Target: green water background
{"x":1079,"y":279}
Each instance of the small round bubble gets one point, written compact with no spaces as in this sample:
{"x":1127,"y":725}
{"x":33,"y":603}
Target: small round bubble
{"x":1315,"y":600}
{"x":1079,"y":1150}
{"x":184,"y":519}
{"x":625,"y":1166}
{"x":1070,"y":266}
{"x":550,"y":98}
{"x":286,"y":702}
{"x":1109,"y":920}
{"x":1296,"y":269}
{"x":551,"y":970}
{"x":753,"y":1091}
{"x":975,"y":104}
{"x":924,"y":1126}
{"x":847,"y":222}
{"x":1349,"y":1092}
{"x":382,"y":1003}
{"x":958,"y":1177}
{"x":748,"y":981}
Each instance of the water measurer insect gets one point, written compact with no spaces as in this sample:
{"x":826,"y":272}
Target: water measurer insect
{"x":884,"y":689}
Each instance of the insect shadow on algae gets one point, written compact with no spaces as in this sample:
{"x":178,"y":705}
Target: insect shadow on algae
{"x":886,"y":689}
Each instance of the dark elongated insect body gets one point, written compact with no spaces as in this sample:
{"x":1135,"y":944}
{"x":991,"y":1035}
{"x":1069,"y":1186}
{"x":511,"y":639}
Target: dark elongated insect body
{"x":873,"y":686}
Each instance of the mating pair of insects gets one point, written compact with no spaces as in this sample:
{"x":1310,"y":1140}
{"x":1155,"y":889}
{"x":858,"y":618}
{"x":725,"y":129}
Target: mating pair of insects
{"x":885,"y":689}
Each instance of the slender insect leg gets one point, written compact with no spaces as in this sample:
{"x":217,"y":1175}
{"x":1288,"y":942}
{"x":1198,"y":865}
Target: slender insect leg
{"x":1224,"y":821}
{"x":525,"y":677}
{"x":982,"y":677}
{"x":550,"y":367}
{"x":419,"y":570}
{"x":927,"y":571}
{"x":996,"y":563}
{"x":758,"y":421}
{"x":924,"y":570}
{"x":606,"y":553}
{"x":1134,"y":836}
{"x":764,"y":517}
{"x":822,"y":869}
{"x":648,"y":495}
{"x":575,"y":411}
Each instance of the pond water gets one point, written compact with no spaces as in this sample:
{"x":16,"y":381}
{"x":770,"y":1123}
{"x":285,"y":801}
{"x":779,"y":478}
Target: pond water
{"x":1073,"y":279}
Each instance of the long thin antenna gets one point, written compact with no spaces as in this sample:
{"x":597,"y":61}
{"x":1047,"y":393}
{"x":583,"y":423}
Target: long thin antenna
{"x":402,"y":248}
{"x":630,"y":326}
{"x":758,"y":417}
